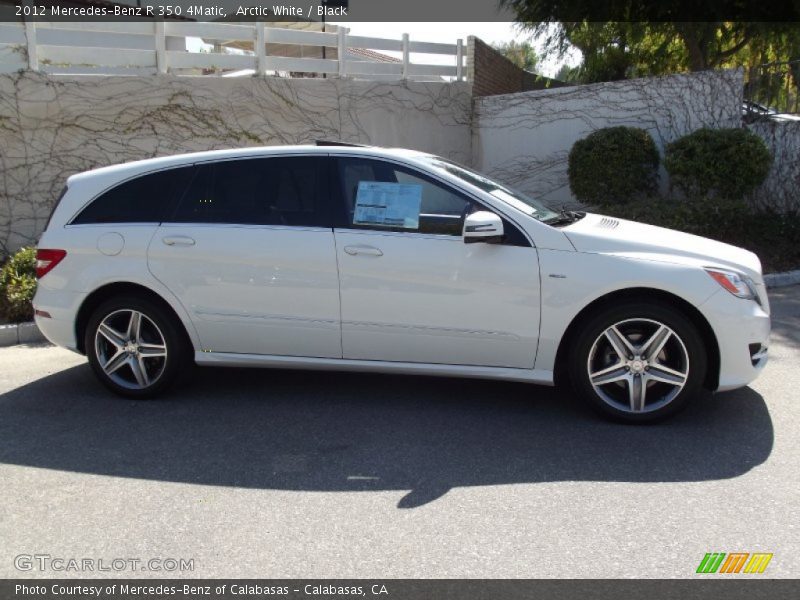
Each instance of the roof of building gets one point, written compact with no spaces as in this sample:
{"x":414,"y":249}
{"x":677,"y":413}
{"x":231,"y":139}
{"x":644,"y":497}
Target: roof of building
{"x":372,"y":55}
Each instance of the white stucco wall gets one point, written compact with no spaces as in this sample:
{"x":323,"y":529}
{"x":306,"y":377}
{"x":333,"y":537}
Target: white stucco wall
{"x":781,"y":190}
{"x":524,"y":139}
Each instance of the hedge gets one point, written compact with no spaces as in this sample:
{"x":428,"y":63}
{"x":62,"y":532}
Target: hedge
{"x":613,"y":165}
{"x":18,"y":285}
{"x":717,"y":163}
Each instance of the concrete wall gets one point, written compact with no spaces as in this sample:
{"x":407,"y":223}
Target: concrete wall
{"x":524,"y":139}
{"x":781,"y":190}
{"x":52,"y":127}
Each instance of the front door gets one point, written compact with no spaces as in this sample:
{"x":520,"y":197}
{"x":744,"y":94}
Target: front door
{"x":412,"y":290}
{"x":250,"y":253}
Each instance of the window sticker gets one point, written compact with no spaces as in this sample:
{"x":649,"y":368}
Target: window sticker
{"x":388,"y":204}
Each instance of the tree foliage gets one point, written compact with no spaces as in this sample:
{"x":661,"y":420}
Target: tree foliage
{"x":656,"y":38}
{"x":521,"y":54}
{"x":18,"y":285}
{"x":568,"y":74}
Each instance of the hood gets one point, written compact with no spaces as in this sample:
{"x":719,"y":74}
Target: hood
{"x":600,"y":234}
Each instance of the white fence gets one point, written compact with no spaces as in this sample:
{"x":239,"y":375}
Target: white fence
{"x":137,"y":48}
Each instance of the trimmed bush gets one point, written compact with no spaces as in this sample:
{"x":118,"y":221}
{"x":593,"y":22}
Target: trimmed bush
{"x":18,"y":285}
{"x":717,"y":163}
{"x":613,"y":166}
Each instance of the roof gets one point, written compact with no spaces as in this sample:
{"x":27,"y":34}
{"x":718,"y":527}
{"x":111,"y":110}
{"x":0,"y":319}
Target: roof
{"x":152,"y":164}
{"x":372,"y":55}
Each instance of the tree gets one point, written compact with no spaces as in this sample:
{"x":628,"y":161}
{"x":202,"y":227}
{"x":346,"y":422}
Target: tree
{"x":521,"y":54}
{"x":568,"y":74}
{"x":613,"y":50}
{"x":651,"y":42}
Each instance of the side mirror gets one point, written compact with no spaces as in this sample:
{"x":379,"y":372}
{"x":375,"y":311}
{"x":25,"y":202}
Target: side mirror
{"x":483,"y":226}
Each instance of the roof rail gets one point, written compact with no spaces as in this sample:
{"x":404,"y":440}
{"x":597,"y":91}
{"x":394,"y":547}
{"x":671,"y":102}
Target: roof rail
{"x":337,"y":143}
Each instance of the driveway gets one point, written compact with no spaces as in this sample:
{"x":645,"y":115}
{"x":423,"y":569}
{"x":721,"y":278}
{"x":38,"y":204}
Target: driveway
{"x":301,"y":474}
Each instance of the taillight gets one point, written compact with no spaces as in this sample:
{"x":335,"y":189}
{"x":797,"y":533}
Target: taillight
{"x":46,"y":260}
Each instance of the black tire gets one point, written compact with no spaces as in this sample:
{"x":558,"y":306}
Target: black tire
{"x":638,"y":321}
{"x":156,"y":321}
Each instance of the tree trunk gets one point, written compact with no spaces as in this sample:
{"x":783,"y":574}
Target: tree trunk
{"x":692,"y":40}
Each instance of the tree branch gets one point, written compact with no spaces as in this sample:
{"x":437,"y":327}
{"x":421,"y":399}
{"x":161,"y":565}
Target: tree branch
{"x":723,"y":54}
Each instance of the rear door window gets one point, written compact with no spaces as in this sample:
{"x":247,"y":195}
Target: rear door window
{"x":270,"y":191}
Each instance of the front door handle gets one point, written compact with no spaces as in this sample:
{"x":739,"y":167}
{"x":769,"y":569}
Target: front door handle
{"x":362,"y":249}
{"x":178,"y":240}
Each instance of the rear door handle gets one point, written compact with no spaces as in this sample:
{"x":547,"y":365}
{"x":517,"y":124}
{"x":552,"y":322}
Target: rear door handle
{"x":362,"y":249}
{"x":178,"y":240}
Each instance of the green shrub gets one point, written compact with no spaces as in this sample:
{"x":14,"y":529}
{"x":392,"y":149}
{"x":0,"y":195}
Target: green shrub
{"x":717,"y":163}
{"x":18,"y":285}
{"x":613,"y":165}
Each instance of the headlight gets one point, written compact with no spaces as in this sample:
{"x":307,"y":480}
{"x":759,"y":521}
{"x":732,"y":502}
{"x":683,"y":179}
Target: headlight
{"x":738,"y":285}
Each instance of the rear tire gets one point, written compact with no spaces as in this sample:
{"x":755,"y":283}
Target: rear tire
{"x":638,"y":362}
{"x":134,"y":347}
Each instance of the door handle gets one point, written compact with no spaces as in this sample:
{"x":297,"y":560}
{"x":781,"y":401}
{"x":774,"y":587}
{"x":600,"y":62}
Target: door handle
{"x":362,"y":249}
{"x":178,"y":240}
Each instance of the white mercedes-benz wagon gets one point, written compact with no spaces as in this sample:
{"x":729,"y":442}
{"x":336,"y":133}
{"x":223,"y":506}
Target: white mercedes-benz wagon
{"x":372,"y":259}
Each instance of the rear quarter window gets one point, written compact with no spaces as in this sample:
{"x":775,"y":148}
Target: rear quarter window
{"x":144,"y":199}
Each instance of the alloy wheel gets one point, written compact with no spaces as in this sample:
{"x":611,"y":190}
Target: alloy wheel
{"x":131,"y":349}
{"x":638,"y":365}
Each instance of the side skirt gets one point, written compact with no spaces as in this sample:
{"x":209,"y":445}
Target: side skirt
{"x":228,"y":359}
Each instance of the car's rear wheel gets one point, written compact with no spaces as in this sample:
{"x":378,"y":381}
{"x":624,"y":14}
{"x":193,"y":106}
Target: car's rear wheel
{"x":638,"y":362}
{"x":134,"y":347}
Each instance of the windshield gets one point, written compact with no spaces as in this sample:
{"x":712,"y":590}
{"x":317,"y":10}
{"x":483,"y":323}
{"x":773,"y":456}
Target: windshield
{"x":503,"y":193}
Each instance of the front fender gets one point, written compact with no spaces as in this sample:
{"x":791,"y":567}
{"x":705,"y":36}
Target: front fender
{"x":571,"y":281}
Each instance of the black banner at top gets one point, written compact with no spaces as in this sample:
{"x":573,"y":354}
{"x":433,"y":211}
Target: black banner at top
{"x":401,"y":10}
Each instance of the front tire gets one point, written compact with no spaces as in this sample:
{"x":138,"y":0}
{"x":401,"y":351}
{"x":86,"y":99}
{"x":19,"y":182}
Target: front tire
{"x":134,"y":347}
{"x":638,"y":362}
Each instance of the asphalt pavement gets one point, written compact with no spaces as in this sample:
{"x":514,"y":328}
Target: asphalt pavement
{"x":260,"y":473}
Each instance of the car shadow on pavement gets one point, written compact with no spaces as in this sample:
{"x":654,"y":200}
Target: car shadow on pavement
{"x":318,"y":431}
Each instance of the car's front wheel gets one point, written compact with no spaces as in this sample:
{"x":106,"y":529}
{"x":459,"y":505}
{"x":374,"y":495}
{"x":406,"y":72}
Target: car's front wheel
{"x":638,"y":361}
{"x":134,"y":347}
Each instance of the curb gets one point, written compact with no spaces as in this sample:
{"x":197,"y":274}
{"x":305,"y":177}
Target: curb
{"x":20,"y":333}
{"x":28,"y":333}
{"x":774,"y":280}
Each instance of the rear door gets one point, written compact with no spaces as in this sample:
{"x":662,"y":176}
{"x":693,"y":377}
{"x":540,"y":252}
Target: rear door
{"x":250,"y":253}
